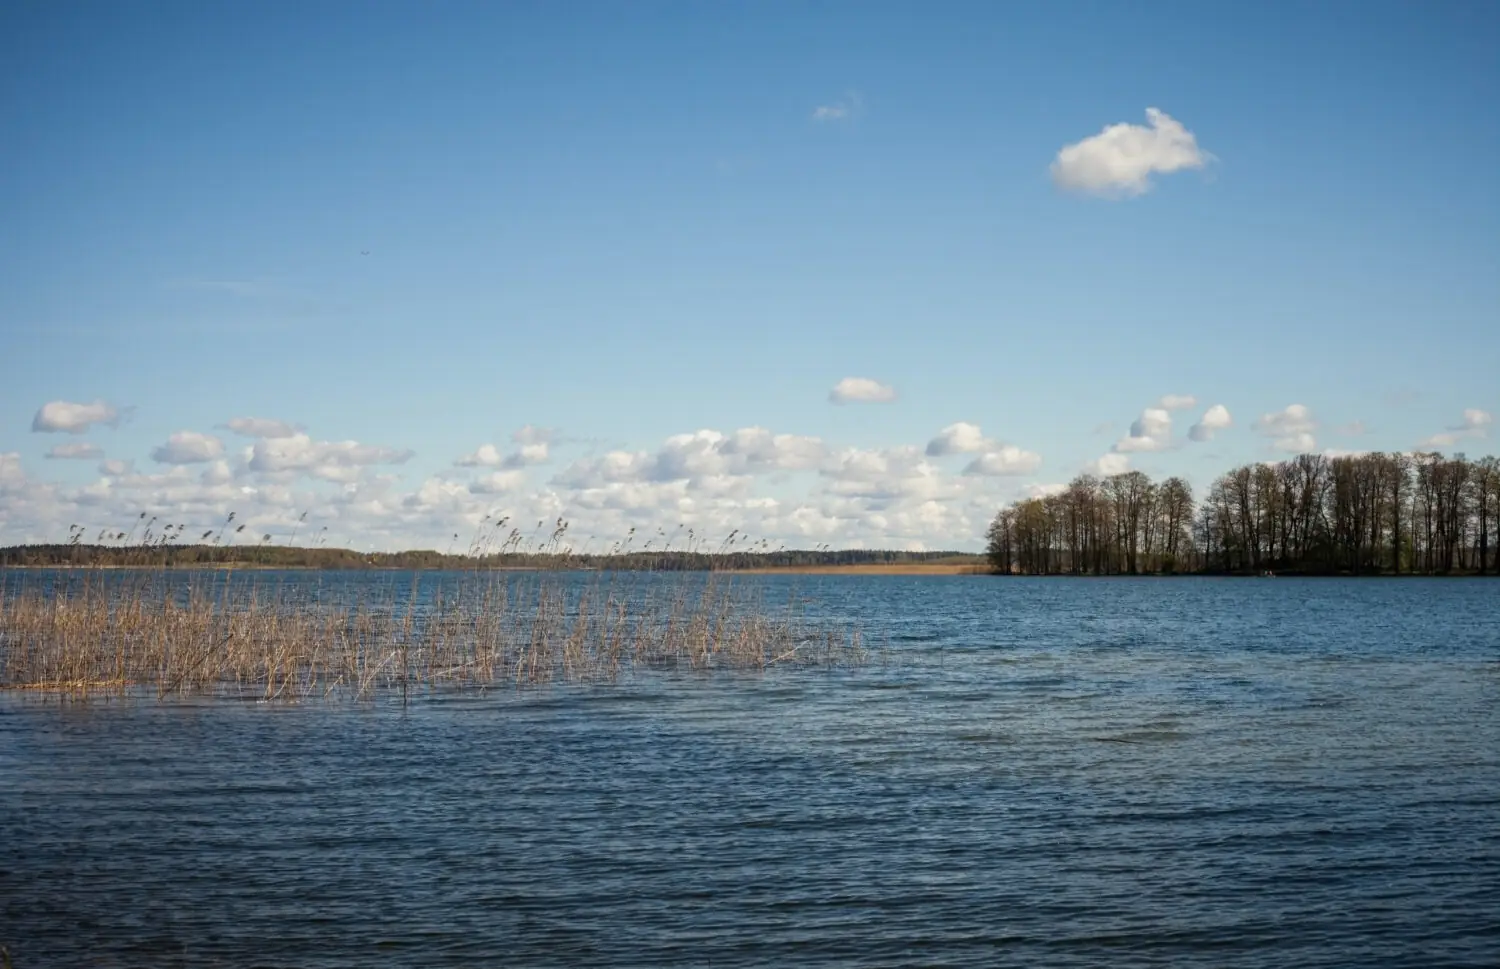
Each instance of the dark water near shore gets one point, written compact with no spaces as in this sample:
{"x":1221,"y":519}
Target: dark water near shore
{"x":1040,"y":773}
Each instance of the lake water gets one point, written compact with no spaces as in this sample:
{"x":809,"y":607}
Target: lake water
{"x":1039,"y":772}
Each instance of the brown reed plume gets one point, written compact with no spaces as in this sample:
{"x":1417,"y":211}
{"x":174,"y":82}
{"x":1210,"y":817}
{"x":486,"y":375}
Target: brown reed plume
{"x":219,"y":633}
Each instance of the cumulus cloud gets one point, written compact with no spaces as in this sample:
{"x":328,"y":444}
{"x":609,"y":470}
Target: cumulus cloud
{"x":116,"y":468}
{"x":487,"y":456}
{"x":10,"y":469}
{"x":1215,"y":419}
{"x":1109,"y":464}
{"x":861,"y":390}
{"x":1006,"y":460}
{"x":1152,"y":431}
{"x":498,"y":483}
{"x":1120,"y":160}
{"x":66,"y":417}
{"x":843,"y":109}
{"x":960,"y":438}
{"x":81,"y":451}
{"x":1475,"y":421}
{"x":700,"y":455}
{"x":329,"y":460}
{"x":262,"y":427}
{"x":188,"y":447}
{"x":534,"y":435}
{"x":1290,"y":429}
{"x":1045,"y":490}
{"x":1177,"y":402}
{"x":1475,"y":424}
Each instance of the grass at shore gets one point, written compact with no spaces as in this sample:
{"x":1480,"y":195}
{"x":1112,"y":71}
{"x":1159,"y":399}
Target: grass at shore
{"x":242,"y":636}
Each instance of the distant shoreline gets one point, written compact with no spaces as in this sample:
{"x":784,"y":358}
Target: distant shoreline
{"x":865,"y":569}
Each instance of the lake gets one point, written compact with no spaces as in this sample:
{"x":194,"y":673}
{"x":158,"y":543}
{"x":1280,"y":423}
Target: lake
{"x":1029,"y":772}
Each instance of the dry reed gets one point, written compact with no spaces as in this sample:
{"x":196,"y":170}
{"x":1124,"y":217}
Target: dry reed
{"x":221,"y":634}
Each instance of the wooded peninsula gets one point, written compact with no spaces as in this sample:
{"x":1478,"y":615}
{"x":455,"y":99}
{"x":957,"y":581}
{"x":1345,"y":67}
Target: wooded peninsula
{"x":1366,"y":514}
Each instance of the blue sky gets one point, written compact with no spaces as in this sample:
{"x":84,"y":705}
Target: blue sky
{"x":423,"y":227}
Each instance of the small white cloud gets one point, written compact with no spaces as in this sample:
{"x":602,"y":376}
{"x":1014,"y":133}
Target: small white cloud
{"x":1152,"y":431}
{"x":1008,"y":460}
{"x":843,"y":109}
{"x":66,"y":417}
{"x":1215,"y":419}
{"x":529,"y":454}
{"x":115,"y":469}
{"x":1119,"y":161}
{"x":1109,"y":464}
{"x":1299,"y":443}
{"x":1045,"y":490}
{"x":535,"y":451}
{"x":1475,"y":424}
{"x":960,"y":438}
{"x":1352,"y":429}
{"x":262,"y":427}
{"x":1290,"y":429}
{"x":531,"y":434}
{"x":11,"y":475}
{"x":498,"y":483}
{"x":188,"y":447}
{"x":330,"y":460}
{"x":217,"y":473}
{"x":81,"y":451}
{"x":1177,"y":402}
{"x":861,"y":390}
{"x":487,"y":456}
{"x":1474,"y":420}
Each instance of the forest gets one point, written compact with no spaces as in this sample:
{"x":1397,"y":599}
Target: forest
{"x":1367,"y":514}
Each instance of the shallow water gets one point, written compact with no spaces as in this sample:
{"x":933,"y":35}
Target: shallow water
{"x":1037,"y":773}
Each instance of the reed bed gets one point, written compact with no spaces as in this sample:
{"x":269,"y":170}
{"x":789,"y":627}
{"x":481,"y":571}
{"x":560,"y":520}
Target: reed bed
{"x":226,"y":635}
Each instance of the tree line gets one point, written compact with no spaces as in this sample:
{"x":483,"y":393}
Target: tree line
{"x":1365,"y":514}
{"x":81,"y":555}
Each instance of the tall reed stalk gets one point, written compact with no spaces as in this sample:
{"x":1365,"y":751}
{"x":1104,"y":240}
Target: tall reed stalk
{"x":163,"y":634}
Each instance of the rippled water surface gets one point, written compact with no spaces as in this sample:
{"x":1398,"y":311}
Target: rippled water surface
{"x":1037,"y":773}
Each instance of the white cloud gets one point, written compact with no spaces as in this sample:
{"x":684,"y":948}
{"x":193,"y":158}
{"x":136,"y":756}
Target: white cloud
{"x":1152,"y":431}
{"x":262,"y":427}
{"x":843,"y":109}
{"x":217,"y":473}
{"x":534,"y":435}
{"x":536,"y":451}
{"x":81,"y":451}
{"x":62,"y":416}
{"x":1045,"y":490}
{"x":960,"y":438}
{"x":1109,"y":464}
{"x":1119,"y":161}
{"x":116,"y":468}
{"x":329,"y":460}
{"x":1215,"y":419}
{"x":487,"y":456}
{"x":1007,"y":460}
{"x":861,"y":390}
{"x":1475,"y":424}
{"x":529,"y":454}
{"x":11,"y":474}
{"x":1177,"y":402}
{"x":1290,"y":429}
{"x":1475,"y":420}
{"x":188,"y":447}
{"x":498,"y":483}
{"x":700,"y":455}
